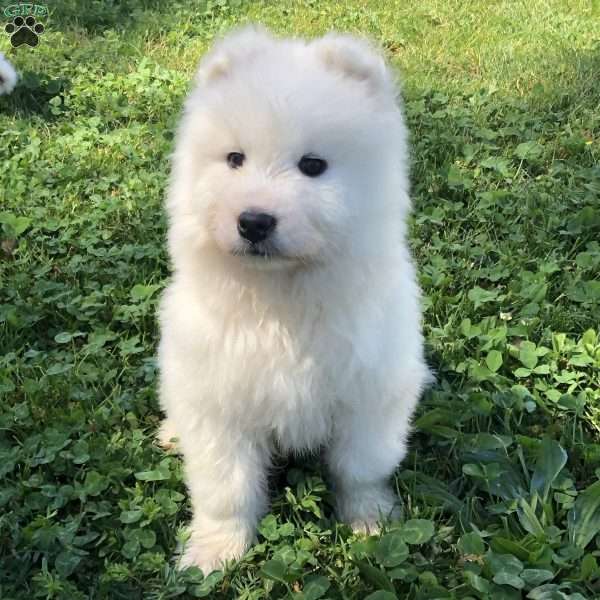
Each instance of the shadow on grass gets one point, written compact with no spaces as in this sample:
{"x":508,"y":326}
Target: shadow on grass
{"x":33,"y":96}
{"x":578,"y":84}
{"x":572,"y":83}
{"x":98,"y":15}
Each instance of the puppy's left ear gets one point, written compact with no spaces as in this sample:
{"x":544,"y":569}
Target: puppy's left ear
{"x":356,"y":59}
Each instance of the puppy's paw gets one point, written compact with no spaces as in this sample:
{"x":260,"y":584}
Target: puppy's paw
{"x":213,"y":551}
{"x":365,"y":508}
{"x":166,"y":436}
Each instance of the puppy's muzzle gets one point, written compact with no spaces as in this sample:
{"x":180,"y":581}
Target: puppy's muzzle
{"x":255,"y":226}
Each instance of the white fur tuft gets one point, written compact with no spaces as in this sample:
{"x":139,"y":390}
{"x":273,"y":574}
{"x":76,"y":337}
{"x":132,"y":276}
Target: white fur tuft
{"x":8,"y":76}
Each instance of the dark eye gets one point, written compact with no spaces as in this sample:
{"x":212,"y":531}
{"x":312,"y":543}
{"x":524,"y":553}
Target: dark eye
{"x":235,"y":159}
{"x":312,"y":166}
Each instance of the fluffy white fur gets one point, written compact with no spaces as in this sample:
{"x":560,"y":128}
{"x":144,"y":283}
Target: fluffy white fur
{"x":8,"y":76}
{"x":318,"y":345}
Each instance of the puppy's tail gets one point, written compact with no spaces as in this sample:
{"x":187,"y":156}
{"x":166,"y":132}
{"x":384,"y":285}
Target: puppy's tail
{"x":8,"y":76}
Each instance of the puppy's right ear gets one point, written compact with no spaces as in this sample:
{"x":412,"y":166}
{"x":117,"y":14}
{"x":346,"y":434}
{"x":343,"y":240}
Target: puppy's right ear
{"x":239,"y":47}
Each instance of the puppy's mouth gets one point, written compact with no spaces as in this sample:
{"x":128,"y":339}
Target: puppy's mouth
{"x":260,"y":251}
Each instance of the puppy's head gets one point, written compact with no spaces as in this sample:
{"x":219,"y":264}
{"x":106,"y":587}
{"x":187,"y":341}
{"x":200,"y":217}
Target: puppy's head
{"x":290,"y":153}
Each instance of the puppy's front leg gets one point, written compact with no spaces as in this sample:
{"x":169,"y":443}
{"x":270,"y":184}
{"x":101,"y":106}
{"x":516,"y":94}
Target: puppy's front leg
{"x":368,"y":444}
{"x":226,"y":476}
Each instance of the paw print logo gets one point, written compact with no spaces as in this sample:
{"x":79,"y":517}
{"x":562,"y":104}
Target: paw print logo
{"x":24,"y":31}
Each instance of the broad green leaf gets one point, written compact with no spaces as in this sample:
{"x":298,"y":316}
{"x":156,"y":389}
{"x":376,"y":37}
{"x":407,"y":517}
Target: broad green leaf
{"x":287,"y":530}
{"x":131,"y":516}
{"x":505,"y":562}
{"x":315,"y":586}
{"x":275,"y":569}
{"x":589,"y":338}
{"x":536,"y":576}
{"x":488,"y":441}
{"x":529,"y":150}
{"x":391,"y":550}
{"x":473,"y":470}
{"x":469,"y":330}
{"x":497,"y":164}
{"x":471,"y":543}
{"x":493,"y":360}
{"x":141,"y":292}
{"x":589,"y":567}
{"x":477,"y":583}
{"x":286,"y":554}
{"x":146,"y":537}
{"x":417,"y":531}
{"x":505,"y":578}
{"x":584,"y":518}
{"x":66,"y":562}
{"x":550,"y":462}
{"x":581,"y":360}
{"x":479,"y":296}
{"x":528,"y":355}
{"x":80,"y":451}
{"x":163,"y":472}
{"x":548,"y":591}
{"x":529,"y":519}
{"x":268,"y":528}
{"x":131,"y":549}
{"x":153,"y":475}
{"x":521,"y":372}
{"x":17,"y":225}
{"x":20,"y":225}
{"x":95,"y":483}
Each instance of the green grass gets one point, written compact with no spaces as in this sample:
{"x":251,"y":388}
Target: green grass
{"x":500,"y":492}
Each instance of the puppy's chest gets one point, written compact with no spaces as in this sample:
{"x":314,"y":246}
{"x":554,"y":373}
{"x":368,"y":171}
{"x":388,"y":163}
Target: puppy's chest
{"x":287,"y":383}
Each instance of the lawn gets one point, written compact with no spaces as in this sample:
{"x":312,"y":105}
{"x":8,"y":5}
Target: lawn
{"x":500,"y":493}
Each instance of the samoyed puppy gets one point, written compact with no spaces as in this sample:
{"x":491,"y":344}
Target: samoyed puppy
{"x":8,"y":76}
{"x":292,"y":321}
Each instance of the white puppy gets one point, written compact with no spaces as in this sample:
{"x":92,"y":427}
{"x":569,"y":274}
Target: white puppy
{"x":8,"y":76}
{"x":292,"y":321}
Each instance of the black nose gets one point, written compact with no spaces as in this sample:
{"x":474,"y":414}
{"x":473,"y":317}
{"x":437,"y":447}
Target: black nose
{"x":255,"y":227}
